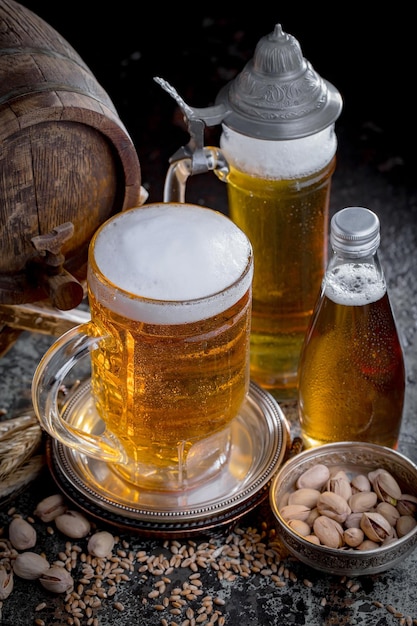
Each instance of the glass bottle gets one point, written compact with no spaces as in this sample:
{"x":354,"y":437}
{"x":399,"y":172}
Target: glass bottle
{"x":351,"y":370}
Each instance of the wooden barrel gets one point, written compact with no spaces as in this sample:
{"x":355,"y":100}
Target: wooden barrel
{"x":67,"y":163}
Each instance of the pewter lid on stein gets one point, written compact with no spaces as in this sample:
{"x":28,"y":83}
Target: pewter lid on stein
{"x":355,"y":231}
{"x":278,"y":94}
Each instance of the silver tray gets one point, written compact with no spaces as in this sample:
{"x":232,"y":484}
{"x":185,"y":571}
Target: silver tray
{"x":260,"y":440}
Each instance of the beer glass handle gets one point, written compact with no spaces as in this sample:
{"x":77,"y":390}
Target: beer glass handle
{"x":202,"y":160}
{"x":48,"y":379}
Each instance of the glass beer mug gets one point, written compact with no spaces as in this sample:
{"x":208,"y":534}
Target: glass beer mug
{"x":277,"y":156}
{"x":169,"y":289}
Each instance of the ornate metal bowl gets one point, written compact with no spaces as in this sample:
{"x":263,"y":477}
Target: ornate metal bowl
{"x":354,"y":458}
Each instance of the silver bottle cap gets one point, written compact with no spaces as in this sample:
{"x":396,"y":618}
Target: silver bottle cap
{"x":355,"y":231}
{"x":278,"y":95}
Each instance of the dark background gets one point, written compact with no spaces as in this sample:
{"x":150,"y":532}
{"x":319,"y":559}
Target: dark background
{"x":367,"y":54}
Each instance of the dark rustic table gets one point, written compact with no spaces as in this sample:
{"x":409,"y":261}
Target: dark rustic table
{"x":239,"y":575}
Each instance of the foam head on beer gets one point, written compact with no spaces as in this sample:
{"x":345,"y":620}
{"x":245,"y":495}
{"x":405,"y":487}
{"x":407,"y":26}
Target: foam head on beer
{"x":171,"y":253}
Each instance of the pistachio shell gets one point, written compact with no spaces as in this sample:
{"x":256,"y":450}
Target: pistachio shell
{"x":368,"y":545}
{"x":30,"y":565}
{"x":299,"y":527}
{"x":353,"y":537}
{"x":340,"y":484}
{"x":313,"y":539}
{"x":305,"y":496}
{"x":333,"y":506}
{"x":295,"y":511}
{"x":363,"y":501}
{"x":50,"y":507}
{"x":6,"y":583}
{"x":385,"y":486}
{"x":375,"y":527}
{"x":389,"y":511}
{"x":328,"y":531}
{"x":353,"y":520}
{"x":312,"y":516}
{"x":407,"y":504}
{"x":314,"y":478}
{"x":101,"y":544}
{"x":73,"y":524}
{"x":22,"y":535}
{"x":360,"y":483}
{"x":405,"y":524}
{"x":57,"y":580}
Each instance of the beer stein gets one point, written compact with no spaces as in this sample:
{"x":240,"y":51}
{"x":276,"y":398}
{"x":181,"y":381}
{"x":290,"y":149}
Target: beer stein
{"x":169,"y":289}
{"x":277,"y":156}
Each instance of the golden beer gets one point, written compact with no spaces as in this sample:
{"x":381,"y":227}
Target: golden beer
{"x":286,"y":221}
{"x":278,"y":194}
{"x":171,"y":369}
{"x":352,"y":374}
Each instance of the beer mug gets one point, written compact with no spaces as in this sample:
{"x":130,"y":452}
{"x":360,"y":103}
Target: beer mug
{"x":169,"y":288}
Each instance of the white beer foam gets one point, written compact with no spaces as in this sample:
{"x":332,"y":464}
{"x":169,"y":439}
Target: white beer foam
{"x":171,"y":253}
{"x":277,"y":160}
{"x":354,"y":285}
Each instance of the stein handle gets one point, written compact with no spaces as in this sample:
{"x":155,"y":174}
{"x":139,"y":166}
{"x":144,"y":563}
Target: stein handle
{"x":202,"y":160}
{"x":49,"y":376}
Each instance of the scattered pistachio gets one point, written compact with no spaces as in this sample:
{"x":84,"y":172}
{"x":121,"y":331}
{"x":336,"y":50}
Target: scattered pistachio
{"x":50,"y":507}
{"x":22,"y":535}
{"x":73,"y":524}
{"x":30,"y":565}
{"x":6,"y":583}
{"x":57,"y":580}
{"x":101,"y":543}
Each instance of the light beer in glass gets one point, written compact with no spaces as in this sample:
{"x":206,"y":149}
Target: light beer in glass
{"x":352,"y":374}
{"x":170,"y":294}
{"x":278,"y":194}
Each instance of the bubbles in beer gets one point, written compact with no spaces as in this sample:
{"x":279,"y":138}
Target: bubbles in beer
{"x":173,"y":253}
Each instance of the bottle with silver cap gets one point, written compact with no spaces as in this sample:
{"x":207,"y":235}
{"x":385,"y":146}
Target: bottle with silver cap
{"x":351,"y":372}
{"x":277,"y":156}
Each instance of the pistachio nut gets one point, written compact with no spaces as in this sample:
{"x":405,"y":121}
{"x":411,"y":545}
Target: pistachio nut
{"x":360,"y":482}
{"x":50,"y":507}
{"x":299,"y":527}
{"x":329,"y":532}
{"x":340,"y":484}
{"x":367,"y":544}
{"x":305,"y":496}
{"x":312,"y":516}
{"x":376,"y":527}
{"x":385,"y":486}
{"x":73,"y":524}
{"x":353,"y":520}
{"x":6,"y":582}
{"x":22,"y":535}
{"x":353,"y":537}
{"x":363,"y":501}
{"x":30,"y":565}
{"x":334,"y":506}
{"x":57,"y":580}
{"x":407,"y":504}
{"x":101,"y":544}
{"x":313,"y":539}
{"x":389,"y":511}
{"x":295,"y":511}
{"x":404,"y":524}
{"x":314,"y":478}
